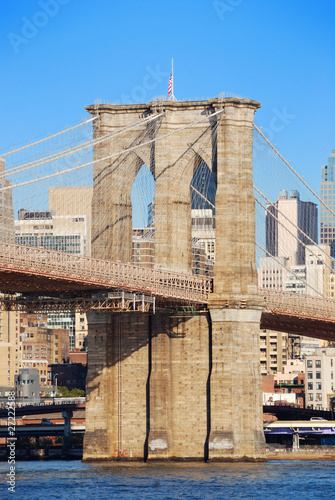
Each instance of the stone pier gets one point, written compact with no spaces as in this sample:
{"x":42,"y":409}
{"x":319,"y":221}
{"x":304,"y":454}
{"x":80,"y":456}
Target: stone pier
{"x":177,"y":386}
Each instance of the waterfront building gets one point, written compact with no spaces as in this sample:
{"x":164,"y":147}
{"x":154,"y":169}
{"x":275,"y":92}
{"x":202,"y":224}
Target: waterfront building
{"x":27,"y":385}
{"x":320,"y":381}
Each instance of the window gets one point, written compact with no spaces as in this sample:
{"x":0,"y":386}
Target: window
{"x":318,"y":396}
{"x":310,"y":397}
{"x":318,"y":386}
{"x":310,"y":386}
{"x":318,"y":363}
{"x":318,"y":375}
{"x":310,"y":375}
{"x":309,"y":363}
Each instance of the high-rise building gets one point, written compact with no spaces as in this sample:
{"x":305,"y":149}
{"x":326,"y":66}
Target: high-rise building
{"x":288,"y":219}
{"x":327,"y":195}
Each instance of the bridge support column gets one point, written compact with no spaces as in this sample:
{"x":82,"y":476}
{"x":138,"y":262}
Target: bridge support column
{"x":235,"y":387}
{"x":178,"y":419}
{"x":116,"y":418}
{"x":236,"y":406}
{"x":67,"y":415}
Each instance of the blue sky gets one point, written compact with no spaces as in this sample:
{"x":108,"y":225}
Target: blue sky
{"x":58,"y":56}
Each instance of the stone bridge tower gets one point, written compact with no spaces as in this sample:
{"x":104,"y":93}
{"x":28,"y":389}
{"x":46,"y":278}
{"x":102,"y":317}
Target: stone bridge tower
{"x":182,"y":386}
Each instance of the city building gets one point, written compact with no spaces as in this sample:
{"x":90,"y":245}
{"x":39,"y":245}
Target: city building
{"x":70,"y":201}
{"x":320,"y":369}
{"x":81,"y":330}
{"x":70,"y":375}
{"x":327,"y":195}
{"x":203,"y":240}
{"x":64,"y":321}
{"x":143,"y":247}
{"x":273,"y":272}
{"x":273,"y":351}
{"x":286,"y":220}
{"x":10,"y":354}
{"x":292,"y":380}
{"x":40,"y":345}
{"x":27,"y":385}
{"x":65,"y":233}
{"x":312,"y":276}
{"x":293,"y":369}
{"x":78,"y":356}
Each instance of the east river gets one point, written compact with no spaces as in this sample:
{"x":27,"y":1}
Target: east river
{"x":76,"y":480}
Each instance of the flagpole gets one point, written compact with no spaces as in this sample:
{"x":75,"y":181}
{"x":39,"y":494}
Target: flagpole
{"x":171,"y":96}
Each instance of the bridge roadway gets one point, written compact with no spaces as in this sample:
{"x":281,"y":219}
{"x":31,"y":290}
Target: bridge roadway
{"x":29,"y":270}
{"x":42,"y":408}
{"x":36,"y":271}
{"x":39,"y":430}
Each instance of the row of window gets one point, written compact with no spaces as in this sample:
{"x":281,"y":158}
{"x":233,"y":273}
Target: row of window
{"x":317,"y":363}
{"x":318,"y":397}
{"x":317,"y":386}
{"x":317,"y":375}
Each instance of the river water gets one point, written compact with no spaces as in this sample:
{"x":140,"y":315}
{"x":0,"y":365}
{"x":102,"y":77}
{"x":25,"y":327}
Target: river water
{"x":75,"y":480}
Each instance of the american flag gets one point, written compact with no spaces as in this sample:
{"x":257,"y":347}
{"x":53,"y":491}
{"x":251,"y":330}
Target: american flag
{"x":170,"y":84}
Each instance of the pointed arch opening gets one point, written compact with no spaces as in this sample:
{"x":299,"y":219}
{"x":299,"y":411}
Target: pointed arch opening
{"x":203,"y":192}
{"x":142,"y":200}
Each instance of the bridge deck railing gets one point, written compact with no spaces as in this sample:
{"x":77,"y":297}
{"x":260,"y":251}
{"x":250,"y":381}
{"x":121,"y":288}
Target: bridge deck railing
{"x":295,"y":304}
{"x":108,"y":274}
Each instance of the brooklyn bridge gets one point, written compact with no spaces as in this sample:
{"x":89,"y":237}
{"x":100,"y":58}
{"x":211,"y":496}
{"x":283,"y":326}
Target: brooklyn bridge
{"x":173,"y":342}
